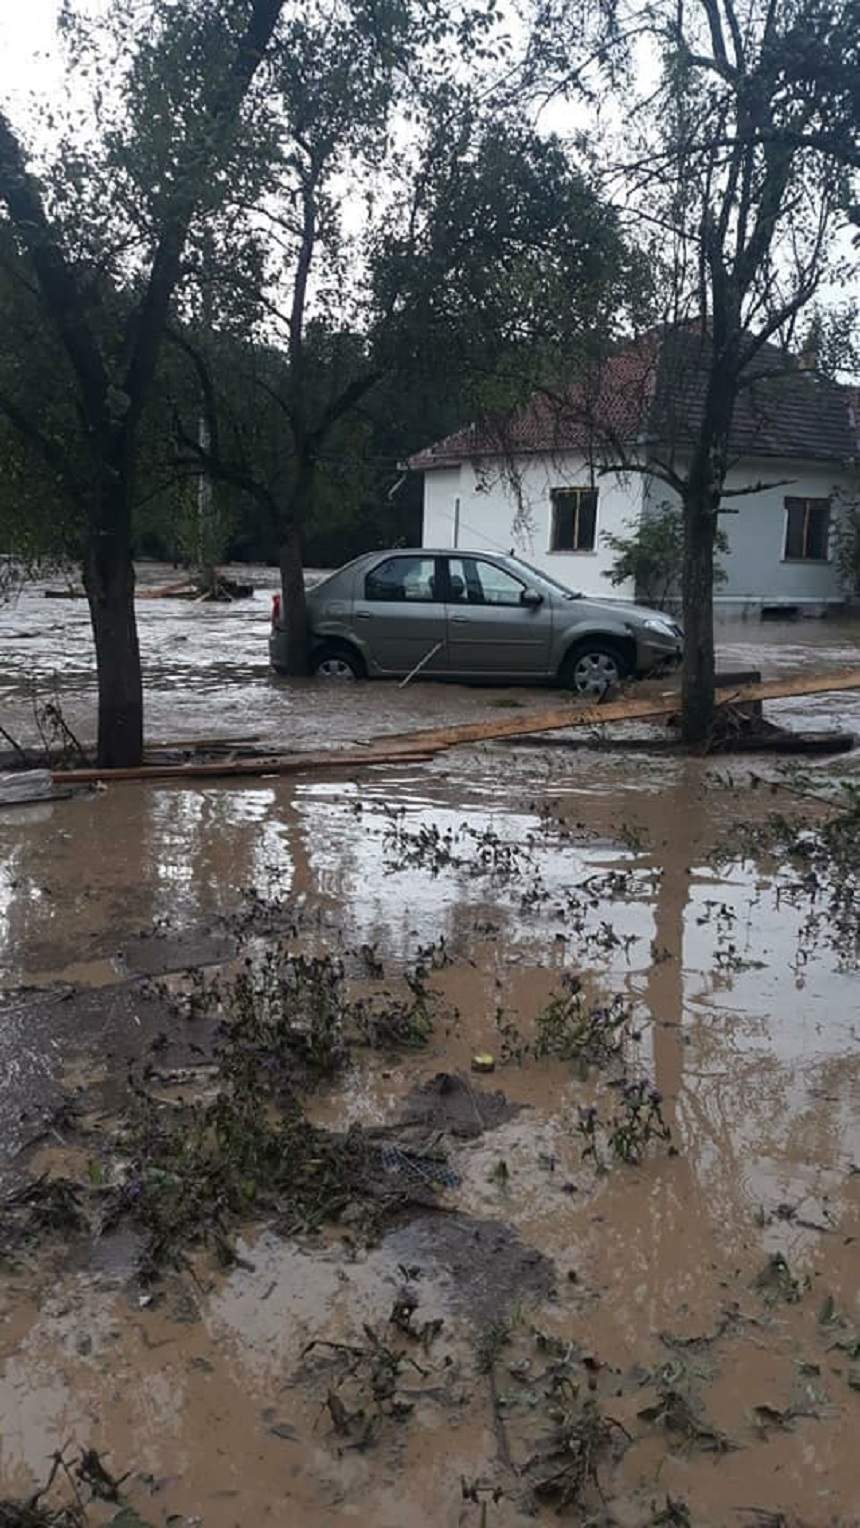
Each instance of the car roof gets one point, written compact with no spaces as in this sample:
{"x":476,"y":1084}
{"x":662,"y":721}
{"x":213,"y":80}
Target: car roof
{"x":431,"y":551}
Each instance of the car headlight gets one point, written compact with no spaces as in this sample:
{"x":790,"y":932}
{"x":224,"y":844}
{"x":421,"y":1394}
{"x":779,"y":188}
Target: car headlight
{"x":663,"y":629}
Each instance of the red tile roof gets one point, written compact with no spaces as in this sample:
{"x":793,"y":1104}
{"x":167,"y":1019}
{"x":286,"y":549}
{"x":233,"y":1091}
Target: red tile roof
{"x":654,"y":392}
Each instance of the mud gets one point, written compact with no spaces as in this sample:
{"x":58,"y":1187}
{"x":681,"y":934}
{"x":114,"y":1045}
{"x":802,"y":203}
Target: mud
{"x":450,"y":1103}
{"x":607,"y":1313}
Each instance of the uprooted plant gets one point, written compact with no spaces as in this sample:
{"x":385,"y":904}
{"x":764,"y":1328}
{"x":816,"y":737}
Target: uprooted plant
{"x":824,"y":855}
{"x":60,"y":746}
{"x":567,"y":1463}
{"x":194,"y":1170}
{"x":42,"y":1207}
{"x":569,"y":1030}
{"x":365,"y":1385}
{"x":284,"y":1009}
{"x":384,"y":1021}
{"x":635,"y":1124}
{"x":478,"y":850}
{"x":186,"y":1171}
{"x":681,"y":1418}
{"x":86,"y":1479}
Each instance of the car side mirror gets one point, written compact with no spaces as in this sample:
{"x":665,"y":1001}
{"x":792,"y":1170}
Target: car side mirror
{"x":532,"y":598}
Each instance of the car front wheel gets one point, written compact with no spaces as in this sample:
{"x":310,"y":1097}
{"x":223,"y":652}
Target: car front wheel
{"x":593,"y":667}
{"x":336,"y":663}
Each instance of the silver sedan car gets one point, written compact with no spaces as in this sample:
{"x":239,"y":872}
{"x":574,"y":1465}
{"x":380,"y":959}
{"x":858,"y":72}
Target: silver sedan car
{"x":473,"y":616}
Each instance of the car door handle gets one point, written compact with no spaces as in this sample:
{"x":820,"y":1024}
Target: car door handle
{"x":459,"y":620}
{"x":363,"y":615}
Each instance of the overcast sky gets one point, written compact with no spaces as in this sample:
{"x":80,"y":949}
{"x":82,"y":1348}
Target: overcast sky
{"x":26,"y":34}
{"x":31,"y":66}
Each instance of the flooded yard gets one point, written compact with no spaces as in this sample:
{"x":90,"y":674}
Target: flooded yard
{"x":542,"y":1193}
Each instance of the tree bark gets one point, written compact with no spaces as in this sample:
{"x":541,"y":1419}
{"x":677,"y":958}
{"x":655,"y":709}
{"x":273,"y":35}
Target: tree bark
{"x":701,"y":501}
{"x":697,"y":692}
{"x":109,"y":583}
{"x":294,"y":614}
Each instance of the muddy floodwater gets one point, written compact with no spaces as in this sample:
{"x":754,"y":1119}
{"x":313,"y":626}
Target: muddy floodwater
{"x":614,"y":1277}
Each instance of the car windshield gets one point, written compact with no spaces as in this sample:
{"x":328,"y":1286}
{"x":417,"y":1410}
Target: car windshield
{"x":544,"y":578}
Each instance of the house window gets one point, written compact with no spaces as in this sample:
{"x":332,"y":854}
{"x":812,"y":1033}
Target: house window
{"x":574,"y":519}
{"x":807,"y":530}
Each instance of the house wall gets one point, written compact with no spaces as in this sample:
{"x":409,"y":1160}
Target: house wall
{"x":495,"y":517}
{"x":755,"y":563}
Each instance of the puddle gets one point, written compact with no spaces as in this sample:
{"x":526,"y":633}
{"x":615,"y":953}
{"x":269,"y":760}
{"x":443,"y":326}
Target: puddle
{"x":514,"y":870}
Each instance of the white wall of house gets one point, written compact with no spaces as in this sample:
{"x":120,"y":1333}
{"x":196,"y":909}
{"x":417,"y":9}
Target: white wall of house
{"x":495,"y":516}
{"x":756,"y":565}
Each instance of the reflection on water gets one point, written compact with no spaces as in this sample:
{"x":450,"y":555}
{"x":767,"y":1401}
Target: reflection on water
{"x":713,"y":959}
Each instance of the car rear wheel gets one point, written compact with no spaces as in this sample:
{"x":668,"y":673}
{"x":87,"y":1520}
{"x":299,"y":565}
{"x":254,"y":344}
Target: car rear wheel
{"x":332,"y":662}
{"x":593,"y":667}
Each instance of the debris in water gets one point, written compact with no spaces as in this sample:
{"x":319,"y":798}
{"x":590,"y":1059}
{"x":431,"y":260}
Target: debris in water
{"x":676,"y":1414}
{"x":776,"y":1281}
{"x":567,"y":1464}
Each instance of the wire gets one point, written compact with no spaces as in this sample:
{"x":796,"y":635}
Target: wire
{"x":465,"y":526}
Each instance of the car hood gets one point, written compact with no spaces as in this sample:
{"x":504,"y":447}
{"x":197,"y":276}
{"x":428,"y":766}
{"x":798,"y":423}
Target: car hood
{"x":625,"y":612}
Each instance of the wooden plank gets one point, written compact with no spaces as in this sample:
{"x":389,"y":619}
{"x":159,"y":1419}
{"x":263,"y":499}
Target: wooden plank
{"x":622,"y":710}
{"x":280,"y":764}
{"x":422,"y":745}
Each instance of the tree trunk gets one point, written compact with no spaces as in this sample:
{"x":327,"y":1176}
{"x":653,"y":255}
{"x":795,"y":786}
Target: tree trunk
{"x":109,"y":582}
{"x":701,"y":498}
{"x":697,"y":710}
{"x":294,"y":615}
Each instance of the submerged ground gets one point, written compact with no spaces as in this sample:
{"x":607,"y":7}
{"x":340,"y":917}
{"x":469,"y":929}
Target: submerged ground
{"x":430,"y":1295}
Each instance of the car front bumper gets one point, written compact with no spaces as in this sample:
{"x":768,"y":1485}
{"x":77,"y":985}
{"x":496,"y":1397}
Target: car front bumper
{"x":655,"y":654}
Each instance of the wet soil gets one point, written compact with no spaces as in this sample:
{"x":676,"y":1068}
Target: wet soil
{"x":542,"y":1282}
{"x":451,"y":1103}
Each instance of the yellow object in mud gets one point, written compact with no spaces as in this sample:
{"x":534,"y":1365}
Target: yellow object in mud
{"x":483,"y":1062}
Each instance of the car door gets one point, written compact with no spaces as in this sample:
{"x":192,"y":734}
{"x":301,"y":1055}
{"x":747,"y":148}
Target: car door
{"x":399,"y":614}
{"x":491,"y":631}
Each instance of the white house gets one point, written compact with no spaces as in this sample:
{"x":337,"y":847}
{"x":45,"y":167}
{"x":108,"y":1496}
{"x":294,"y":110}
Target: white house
{"x":547,"y":482}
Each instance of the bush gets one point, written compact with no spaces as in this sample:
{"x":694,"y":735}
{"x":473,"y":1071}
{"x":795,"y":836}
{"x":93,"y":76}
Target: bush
{"x":846,"y":541}
{"x":651,"y":555}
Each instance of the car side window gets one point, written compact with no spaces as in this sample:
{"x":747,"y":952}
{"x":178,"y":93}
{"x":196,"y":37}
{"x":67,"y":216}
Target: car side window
{"x":403,"y":578}
{"x":488,"y":585}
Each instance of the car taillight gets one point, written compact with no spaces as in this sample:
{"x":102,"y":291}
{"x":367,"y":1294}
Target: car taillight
{"x":276,"y":610}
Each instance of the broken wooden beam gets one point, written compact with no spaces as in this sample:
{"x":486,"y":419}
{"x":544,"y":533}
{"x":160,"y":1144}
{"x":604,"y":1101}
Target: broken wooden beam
{"x":419,"y":746}
{"x":558,"y":717}
{"x":277,"y":764}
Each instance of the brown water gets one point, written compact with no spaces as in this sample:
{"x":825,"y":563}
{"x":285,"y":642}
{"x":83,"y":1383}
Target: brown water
{"x":206,"y":671}
{"x":748,"y":1021}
